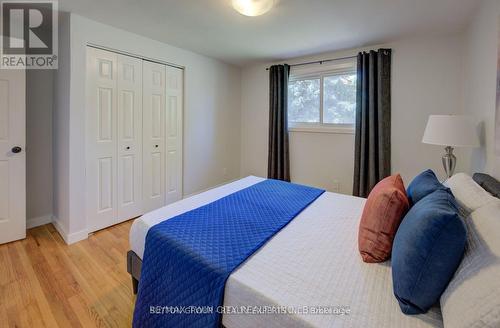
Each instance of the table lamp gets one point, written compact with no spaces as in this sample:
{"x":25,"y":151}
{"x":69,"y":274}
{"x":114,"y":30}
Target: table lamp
{"x":451,"y":131}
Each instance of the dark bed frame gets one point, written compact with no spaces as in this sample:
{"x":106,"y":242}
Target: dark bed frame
{"x":134,"y":264}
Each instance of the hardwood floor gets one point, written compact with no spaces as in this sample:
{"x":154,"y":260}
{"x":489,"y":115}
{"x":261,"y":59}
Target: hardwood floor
{"x":46,"y":283}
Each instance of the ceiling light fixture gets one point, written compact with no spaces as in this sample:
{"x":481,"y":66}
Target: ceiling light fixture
{"x":253,"y":7}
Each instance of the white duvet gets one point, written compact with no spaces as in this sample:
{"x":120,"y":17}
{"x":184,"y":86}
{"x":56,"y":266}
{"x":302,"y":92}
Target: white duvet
{"x":313,"y":262}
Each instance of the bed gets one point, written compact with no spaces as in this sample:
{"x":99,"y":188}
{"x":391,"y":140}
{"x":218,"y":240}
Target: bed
{"x":313,"y":261}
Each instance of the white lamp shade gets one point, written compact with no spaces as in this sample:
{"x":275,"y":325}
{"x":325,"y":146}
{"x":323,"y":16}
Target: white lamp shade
{"x":451,"y":130}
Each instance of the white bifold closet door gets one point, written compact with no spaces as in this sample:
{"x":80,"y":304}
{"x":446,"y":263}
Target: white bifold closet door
{"x":134,"y":137}
{"x":174,"y":134}
{"x":154,"y":135}
{"x":129,"y":184}
{"x":114,"y":138}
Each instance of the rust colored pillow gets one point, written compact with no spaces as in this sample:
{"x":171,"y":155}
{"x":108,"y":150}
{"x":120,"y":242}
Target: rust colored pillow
{"x":385,"y":207}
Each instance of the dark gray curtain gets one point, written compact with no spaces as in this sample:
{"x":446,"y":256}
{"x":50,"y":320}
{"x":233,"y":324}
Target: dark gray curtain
{"x":278,"y":166}
{"x":373,"y":121}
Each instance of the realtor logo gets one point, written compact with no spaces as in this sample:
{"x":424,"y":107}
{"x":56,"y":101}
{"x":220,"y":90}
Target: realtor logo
{"x":29,"y":35}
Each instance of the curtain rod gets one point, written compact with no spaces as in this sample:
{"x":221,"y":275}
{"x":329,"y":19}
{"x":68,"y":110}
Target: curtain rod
{"x":319,"y":61}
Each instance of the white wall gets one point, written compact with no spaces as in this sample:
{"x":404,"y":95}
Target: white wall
{"x":481,"y":48}
{"x":430,"y":76}
{"x":39,"y":144}
{"x":211,"y":114}
{"x":60,"y":126}
{"x":316,"y":158}
{"x":39,"y":104}
{"x":426,"y":79}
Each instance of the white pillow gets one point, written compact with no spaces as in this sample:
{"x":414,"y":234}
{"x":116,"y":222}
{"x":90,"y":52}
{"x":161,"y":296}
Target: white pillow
{"x":468,"y":193}
{"x":472,"y":298}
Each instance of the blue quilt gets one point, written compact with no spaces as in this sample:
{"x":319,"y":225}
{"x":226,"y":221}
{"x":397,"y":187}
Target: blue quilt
{"x":188,"y":258}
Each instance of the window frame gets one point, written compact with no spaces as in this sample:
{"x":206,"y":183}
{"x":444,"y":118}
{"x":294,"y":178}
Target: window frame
{"x":320,"y":73}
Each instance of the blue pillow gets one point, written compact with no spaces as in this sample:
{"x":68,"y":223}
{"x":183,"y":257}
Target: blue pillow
{"x":422,"y":185}
{"x":426,"y":252}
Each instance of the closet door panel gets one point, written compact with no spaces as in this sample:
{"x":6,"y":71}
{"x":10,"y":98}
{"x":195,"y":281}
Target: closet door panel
{"x":105,"y":187}
{"x":174,"y":134}
{"x":129,"y":185}
{"x":134,"y":137}
{"x":153,"y":136}
{"x":101,"y":146}
{"x":128,"y":176}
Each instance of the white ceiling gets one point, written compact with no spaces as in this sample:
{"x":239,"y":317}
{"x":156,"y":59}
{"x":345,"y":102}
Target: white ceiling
{"x":293,"y":28}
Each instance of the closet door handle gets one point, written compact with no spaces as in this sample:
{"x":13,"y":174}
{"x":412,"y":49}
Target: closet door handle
{"x":16,"y":149}
{"x":127,"y":148}
{"x":156,"y":146}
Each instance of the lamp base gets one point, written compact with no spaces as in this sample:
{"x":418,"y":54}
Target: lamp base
{"x":449,"y":161}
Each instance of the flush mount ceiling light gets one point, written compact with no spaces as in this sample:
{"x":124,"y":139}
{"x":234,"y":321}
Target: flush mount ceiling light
{"x":253,"y":7}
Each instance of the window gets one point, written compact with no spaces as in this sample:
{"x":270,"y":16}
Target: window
{"x":323,"y":99}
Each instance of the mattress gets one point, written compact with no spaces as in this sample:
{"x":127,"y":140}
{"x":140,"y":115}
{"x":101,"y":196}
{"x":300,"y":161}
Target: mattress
{"x":312,"y":265}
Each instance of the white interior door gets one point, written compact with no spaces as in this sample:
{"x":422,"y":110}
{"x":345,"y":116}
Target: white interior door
{"x":153,"y":135}
{"x":174,"y":104}
{"x":12,"y":155}
{"x":101,"y":152}
{"x":129,"y":186}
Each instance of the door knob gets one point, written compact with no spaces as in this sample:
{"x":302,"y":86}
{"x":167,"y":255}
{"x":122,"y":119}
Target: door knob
{"x":16,"y":149}
{"x":156,"y":146}
{"x":127,"y":148}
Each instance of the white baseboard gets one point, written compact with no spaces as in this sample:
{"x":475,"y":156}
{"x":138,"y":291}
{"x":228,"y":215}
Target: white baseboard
{"x":38,"y":221}
{"x":70,"y":238}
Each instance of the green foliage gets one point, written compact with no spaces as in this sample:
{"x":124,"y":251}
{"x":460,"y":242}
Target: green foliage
{"x":339,"y":100}
{"x":303,"y":101}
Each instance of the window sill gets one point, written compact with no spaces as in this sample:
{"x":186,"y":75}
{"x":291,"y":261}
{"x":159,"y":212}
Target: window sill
{"x":322,"y":129}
